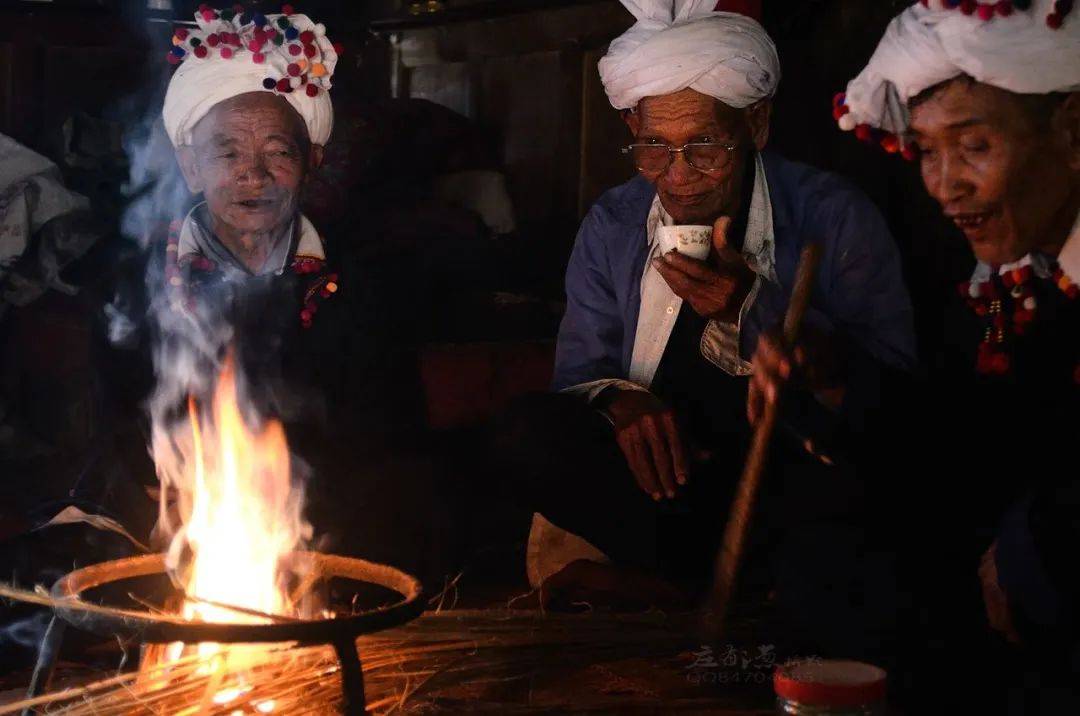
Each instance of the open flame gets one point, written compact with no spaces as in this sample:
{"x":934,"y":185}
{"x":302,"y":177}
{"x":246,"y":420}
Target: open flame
{"x":240,"y":513}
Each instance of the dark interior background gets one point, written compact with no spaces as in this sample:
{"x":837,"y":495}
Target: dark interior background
{"x":423,"y":90}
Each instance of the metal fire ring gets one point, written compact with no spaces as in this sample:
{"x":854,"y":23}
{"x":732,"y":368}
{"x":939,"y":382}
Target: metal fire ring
{"x":159,"y":628}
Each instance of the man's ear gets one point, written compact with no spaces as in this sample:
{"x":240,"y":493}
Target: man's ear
{"x":315,"y":157}
{"x":757,"y":118}
{"x":189,"y":167}
{"x":1066,"y":125}
{"x":633,"y":120}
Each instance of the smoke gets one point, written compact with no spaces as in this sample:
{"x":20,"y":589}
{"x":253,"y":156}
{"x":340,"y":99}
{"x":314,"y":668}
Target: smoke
{"x":189,"y":339}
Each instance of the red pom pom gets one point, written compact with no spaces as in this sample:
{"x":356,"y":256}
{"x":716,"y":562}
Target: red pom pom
{"x":255,"y":45}
{"x":172,"y":59}
{"x":203,"y":7}
{"x":890,"y":143}
{"x":295,"y":50}
{"x":226,"y":52}
{"x":238,"y":8}
{"x":339,"y":48}
{"x":209,"y":15}
{"x":213,"y":40}
{"x":838,"y":99}
{"x":283,"y":85}
{"x":258,"y":58}
{"x":181,"y":33}
{"x":862,"y":132}
{"x":986,"y":12}
{"x":312,"y":90}
{"x":201,"y":51}
{"x":1054,"y":20}
{"x":840,"y":111}
{"x":909,"y":153}
{"x":293,"y":69}
{"x":1004,"y":8}
{"x":968,"y":7}
{"x":309,"y":50}
{"x":307,"y":37}
{"x":926,"y":3}
{"x":287,"y":10}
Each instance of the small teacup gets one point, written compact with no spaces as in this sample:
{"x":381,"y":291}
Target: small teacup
{"x":688,"y":239}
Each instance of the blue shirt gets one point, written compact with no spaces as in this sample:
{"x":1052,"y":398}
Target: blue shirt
{"x":859,"y":289}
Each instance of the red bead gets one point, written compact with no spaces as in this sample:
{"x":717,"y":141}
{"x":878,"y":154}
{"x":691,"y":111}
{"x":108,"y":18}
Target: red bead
{"x":305,"y":315}
{"x":1004,"y":8}
{"x":293,"y":69}
{"x":201,"y":51}
{"x":312,"y":91}
{"x":283,"y":85}
{"x":307,"y":37}
{"x":1054,"y":20}
{"x":339,"y":48}
{"x":213,"y":40}
{"x":172,"y":59}
{"x":986,"y":12}
{"x":226,"y":52}
{"x":968,"y":7}
{"x":909,"y":153}
{"x":258,"y":58}
{"x":309,"y":50}
{"x":287,"y":10}
{"x":295,"y":50}
{"x":890,"y":143}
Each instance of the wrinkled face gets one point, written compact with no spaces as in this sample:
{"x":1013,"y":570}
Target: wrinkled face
{"x":689,"y":195}
{"x":1002,"y":166}
{"x":249,"y":157}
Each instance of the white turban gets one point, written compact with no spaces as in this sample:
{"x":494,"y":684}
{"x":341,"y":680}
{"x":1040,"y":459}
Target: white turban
{"x":230,"y":54}
{"x":924,"y":46}
{"x":686,"y":44}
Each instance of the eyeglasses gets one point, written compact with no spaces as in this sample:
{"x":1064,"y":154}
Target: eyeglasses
{"x":703,"y":156}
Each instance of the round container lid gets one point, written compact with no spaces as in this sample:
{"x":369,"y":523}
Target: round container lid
{"x":828,"y":682}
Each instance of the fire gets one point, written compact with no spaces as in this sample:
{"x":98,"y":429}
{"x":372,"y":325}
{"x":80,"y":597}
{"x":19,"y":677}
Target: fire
{"x":240,"y":514}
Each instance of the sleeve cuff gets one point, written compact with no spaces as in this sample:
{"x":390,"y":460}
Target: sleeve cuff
{"x":720,"y":341}
{"x":593,"y":388}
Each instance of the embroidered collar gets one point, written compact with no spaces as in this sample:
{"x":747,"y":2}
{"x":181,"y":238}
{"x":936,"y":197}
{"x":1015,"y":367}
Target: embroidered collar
{"x":759,"y":243}
{"x":198,"y":242}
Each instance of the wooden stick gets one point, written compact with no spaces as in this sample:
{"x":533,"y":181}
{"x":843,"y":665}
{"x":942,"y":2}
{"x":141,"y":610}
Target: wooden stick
{"x":736,"y":532}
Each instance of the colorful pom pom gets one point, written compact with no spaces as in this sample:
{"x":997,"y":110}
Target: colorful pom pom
{"x":318,"y":69}
{"x":307,"y":37}
{"x":283,"y":23}
{"x":310,"y":50}
{"x":1004,"y":8}
{"x":195,"y":42}
{"x":292,"y":33}
{"x":840,"y":111}
{"x":279,"y":40}
{"x":208,"y":15}
{"x":295,"y":50}
{"x":863,"y":133}
{"x":287,"y":10}
{"x":182,"y":33}
{"x":226,"y":53}
{"x":177,"y":52}
{"x":283,"y":85}
{"x":258,"y":58}
{"x":339,"y":48}
{"x":890,"y":143}
{"x":311,"y":90}
{"x":213,"y":40}
{"x":269,"y":83}
{"x":968,"y":7}
{"x":172,"y":59}
{"x":259,"y":19}
{"x":1054,"y":21}
{"x":986,"y":12}
{"x":201,"y":52}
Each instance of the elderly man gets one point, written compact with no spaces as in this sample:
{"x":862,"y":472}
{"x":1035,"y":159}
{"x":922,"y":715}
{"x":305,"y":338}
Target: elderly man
{"x":652,"y":353}
{"x":989,"y":102}
{"x":245,"y":272}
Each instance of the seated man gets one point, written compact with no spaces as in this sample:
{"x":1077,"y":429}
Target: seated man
{"x":990,"y":106}
{"x":246,"y":272}
{"x":652,"y":352}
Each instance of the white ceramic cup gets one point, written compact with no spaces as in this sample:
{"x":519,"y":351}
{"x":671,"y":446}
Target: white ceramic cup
{"x":688,"y":239}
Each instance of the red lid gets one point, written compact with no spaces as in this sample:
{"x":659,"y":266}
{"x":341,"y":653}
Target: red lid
{"x":827,"y":682}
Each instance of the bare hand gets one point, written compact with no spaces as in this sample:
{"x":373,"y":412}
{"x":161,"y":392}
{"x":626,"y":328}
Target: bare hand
{"x":815,"y":359}
{"x":994,"y":598}
{"x":646,"y":432}
{"x":716,"y":288}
